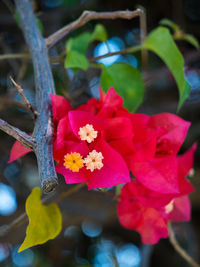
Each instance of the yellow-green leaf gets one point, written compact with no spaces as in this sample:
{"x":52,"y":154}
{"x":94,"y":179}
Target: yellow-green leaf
{"x":45,"y":221}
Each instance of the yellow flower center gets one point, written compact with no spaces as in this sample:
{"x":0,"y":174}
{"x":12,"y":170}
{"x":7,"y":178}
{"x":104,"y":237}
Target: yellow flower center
{"x":73,"y":161}
{"x":87,"y":133}
{"x":94,"y":161}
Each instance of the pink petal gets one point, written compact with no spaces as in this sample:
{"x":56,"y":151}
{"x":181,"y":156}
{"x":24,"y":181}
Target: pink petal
{"x":92,"y":106}
{"x":79,"y":119}
{"x":60,"y":106}
{"x":113,"y":172}
{"x":70,"y":177}
{"x":158,"y":175}
{"x":153,"y":227}
{"x":175,"y":130}
{"x":18,"y":151}
{"x":148,"y":197}
{"x":118,"y":127}
{"x":140,"y":126}
{"x":181,"y":210}
{"x":147,"y":221}
{"x":112,"y":102}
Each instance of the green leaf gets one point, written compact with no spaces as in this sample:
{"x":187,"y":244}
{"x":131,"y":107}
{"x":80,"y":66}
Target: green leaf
{"x":79,"y":43}
{"x":160,"y":42}
{"x":99,"y":33}
{"x":190,"y":39}
{"x":45,"y":221}
{"x":169,"y":23}
{"x":127,"y":81}
{"x":76,"y":47}
{"x":76,"y":60}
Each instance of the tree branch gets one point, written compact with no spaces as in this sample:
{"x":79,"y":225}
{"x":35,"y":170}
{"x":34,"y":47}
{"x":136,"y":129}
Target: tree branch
{"x":180,"y":250}
{"x":85,"y":18}
{"x":25,"y":139}
{"x":43,"y":131}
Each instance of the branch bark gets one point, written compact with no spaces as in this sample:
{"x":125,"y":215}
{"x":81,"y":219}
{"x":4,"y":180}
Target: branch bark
{"x":43,"y":131}
{"x":88,"y":16}
{"x":25,"y":139}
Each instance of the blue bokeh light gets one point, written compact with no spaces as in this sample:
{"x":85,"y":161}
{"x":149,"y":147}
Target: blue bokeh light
{"x":24,"y":258}
{"x":112,"y":45}
{"x":91,"y":229}
{"x":4,"y":252}
{"x":128,"y":256}
{"x":8,"y":202}
{"x":103,"y":259}
{"x":193,"y":79}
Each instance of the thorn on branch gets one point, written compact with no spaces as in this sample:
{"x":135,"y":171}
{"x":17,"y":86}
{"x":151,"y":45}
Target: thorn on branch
{"x":26,"y":102}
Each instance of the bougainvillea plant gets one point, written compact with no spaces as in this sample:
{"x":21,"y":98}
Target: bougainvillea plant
{"x":100,"y":143}
{"x":106,"y":145}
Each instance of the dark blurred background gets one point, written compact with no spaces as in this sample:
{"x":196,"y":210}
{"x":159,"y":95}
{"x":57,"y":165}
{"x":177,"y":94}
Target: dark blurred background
{"x":91,"y":234}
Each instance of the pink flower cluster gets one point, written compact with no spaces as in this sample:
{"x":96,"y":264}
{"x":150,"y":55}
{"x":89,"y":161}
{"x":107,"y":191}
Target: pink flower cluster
{"x":101,"y":143}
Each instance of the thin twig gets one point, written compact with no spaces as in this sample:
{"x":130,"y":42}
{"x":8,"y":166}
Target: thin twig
{"x":179,"y":249}
{"x":5,"y":229}
{"x":143,"y":34}
{"x":14,"y":56}
{"x":19,"y":135}
{"x":88,"y":16}
{"x":120,"y":52}
{"x":26,"y":102}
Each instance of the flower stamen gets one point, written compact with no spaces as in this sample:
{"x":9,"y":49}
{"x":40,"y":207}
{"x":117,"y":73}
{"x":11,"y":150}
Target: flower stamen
{"x":73,"y":161}
{"x":169,"y":207}
{"x":87,"y":133}
{"x":94,"y":161}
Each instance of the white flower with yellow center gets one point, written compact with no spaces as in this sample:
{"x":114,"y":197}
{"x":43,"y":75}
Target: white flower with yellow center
{"x":169,"y":207}
{"x":87,"y":133}
{"x":94,"y":161}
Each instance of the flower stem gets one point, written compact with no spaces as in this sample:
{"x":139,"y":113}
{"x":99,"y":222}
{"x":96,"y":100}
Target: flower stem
{"x":179,"y":249}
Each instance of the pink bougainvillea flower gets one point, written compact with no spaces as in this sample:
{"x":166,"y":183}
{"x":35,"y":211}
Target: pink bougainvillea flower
{"x":148,"y":212}
{"x":112,"y":171}
{"x":149,"y":221}
{"x":158,"y":135}
{"x":104,"y":167}
{"x":158,"y":199}
{"x":134,"y":215}
{"x":156,"y":142}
